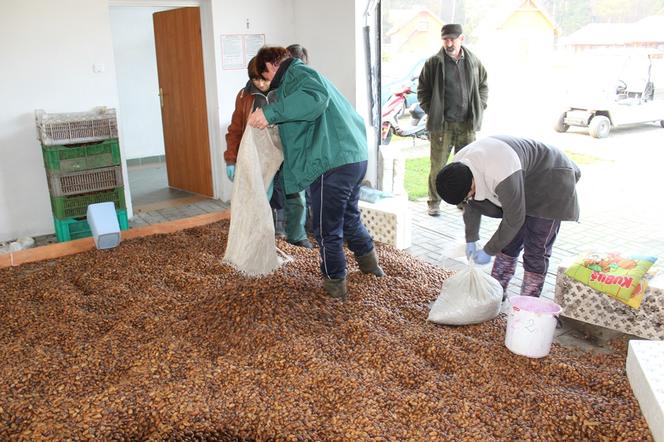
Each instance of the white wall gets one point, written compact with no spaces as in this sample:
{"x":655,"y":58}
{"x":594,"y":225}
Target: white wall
{"x":362,"y":87}
{"x":138,"y":83}
{"x":327,"y":30}
{"x":332,"y":33}
{"x":274,"y":18}
{"x":47,"y":49}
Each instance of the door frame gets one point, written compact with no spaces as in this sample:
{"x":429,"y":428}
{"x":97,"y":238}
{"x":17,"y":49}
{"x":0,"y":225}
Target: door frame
{"x":210,"y":78}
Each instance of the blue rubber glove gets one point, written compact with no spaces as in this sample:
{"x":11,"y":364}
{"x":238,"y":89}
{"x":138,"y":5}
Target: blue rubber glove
{"x":481,"y":257}
{"x":471,"y":247}
{"x":270,"y":189}
{"x":230,"y":171}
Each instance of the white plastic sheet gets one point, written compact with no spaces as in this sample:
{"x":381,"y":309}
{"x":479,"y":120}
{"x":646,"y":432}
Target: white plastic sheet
{"x":251,"y":248}
{"x":470,"y":296}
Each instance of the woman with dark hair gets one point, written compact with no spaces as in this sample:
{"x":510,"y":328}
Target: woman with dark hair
{"x":298,"y":51}
{"x":249,"y":98}
{"x":325,"y":149}
{"x":292,"y":209}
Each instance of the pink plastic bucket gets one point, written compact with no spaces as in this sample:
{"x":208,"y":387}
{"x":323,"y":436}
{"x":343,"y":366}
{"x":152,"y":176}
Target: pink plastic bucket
{"x":531,"y":323}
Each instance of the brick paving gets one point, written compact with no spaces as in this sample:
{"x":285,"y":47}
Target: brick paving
{"x":620,"y":210}
{"x":433,"y":235}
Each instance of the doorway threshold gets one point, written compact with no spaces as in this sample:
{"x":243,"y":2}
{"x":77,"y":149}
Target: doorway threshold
{"x":170,"y":203}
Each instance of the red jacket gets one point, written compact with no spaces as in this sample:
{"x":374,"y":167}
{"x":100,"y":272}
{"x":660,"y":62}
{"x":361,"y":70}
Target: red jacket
{"x":244,"y":102}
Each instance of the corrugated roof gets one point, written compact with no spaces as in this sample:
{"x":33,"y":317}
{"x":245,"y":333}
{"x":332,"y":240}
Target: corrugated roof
{"x":647,"y":30}
{"x":413,"y":15}
{"x":498,"y":18}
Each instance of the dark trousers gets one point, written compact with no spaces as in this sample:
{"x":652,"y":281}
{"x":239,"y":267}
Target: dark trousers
{"x":336,"y":217}
{"x":453,"y":135}
{"x":535,"y":238}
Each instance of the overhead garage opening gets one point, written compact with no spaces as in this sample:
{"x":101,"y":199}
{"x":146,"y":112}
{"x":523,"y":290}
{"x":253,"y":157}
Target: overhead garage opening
{"x":591,"y":63}
{"x":541,"y":57}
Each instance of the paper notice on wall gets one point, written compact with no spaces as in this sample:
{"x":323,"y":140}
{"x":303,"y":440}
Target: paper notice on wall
{"x":232,"y":52}
{"x":252,"y":43}
{"x":238,"y":49}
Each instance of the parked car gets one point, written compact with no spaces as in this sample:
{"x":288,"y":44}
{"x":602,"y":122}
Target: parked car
{"x":629,"y":97}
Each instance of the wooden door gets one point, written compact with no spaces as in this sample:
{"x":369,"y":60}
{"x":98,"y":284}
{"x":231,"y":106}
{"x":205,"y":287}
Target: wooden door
{"x":177,"y":35}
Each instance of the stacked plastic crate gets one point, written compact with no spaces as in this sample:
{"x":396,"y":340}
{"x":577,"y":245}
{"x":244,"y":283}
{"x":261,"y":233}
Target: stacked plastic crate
{"x":82,"y":160}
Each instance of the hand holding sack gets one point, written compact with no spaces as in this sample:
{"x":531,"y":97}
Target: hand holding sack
{"x":471,"y":248}
{"x":481,"y":257}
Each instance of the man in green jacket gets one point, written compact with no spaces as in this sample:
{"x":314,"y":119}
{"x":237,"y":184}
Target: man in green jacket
{"x":325,"y":149}
{"x":453,"y":91}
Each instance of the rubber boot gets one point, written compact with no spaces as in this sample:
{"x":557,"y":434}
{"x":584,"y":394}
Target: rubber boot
{"x":295,"y":217}
{"x":336,"y":288}
{"x":278,"y":218}
{"x":532,"y":284}
{"x":503,"y":269}
{"x":369,"y":264}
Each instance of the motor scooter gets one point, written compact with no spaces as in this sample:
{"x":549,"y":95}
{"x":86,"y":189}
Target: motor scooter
{"x":393,"y":111}
{"x":418,"y":124}
{"x":416,"y":114}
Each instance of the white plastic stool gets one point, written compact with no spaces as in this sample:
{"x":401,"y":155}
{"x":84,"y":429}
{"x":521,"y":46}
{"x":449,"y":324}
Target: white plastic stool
{"x":104,"y":225}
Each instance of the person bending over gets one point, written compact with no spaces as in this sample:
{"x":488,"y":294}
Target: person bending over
{"x":530,"y":185}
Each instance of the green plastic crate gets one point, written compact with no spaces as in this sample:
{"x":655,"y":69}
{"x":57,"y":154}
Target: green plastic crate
{"x":76,"y":157}
{"x":75,"y":228}
{"x":77,"y":205}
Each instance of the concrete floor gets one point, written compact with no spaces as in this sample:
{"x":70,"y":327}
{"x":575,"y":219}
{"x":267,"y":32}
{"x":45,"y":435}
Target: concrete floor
{"x":154,"y":202}
{"x":150,"y":191}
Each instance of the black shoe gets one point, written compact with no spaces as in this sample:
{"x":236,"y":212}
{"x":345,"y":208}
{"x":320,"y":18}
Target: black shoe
{"x":303,"y":243}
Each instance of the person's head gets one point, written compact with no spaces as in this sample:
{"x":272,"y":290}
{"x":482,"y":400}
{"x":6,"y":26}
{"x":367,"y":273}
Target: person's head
{"x":256,"y":78}
{"x":297,"y":51}
{"x":452,"y":36}
{"x":268,"y":60}
{"x":454,"y":183}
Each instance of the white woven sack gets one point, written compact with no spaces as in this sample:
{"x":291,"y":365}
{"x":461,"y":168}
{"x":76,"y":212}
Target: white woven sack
{"x":470,"y":296}
{"x":251,"y":248}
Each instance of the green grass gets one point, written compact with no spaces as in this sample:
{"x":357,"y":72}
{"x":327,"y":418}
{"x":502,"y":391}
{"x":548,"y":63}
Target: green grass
{"x":582,"y":159}
{"x":416,"y":180}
